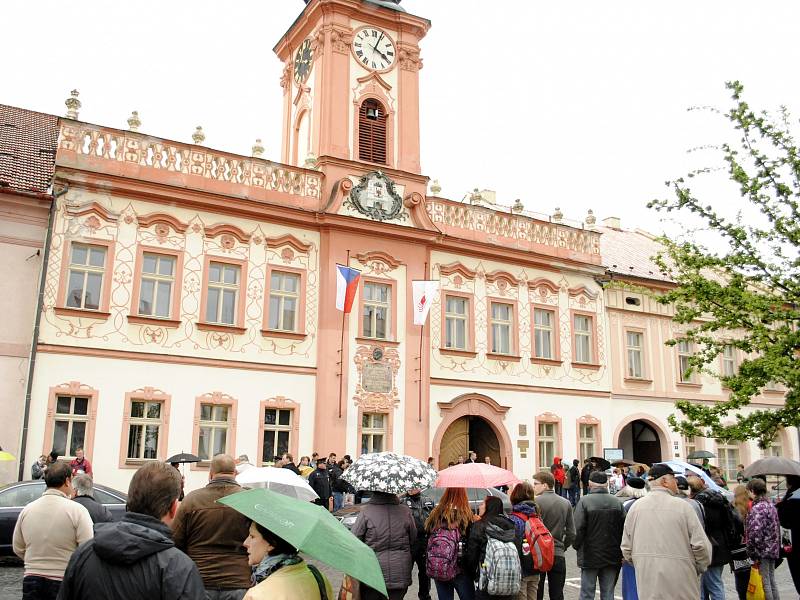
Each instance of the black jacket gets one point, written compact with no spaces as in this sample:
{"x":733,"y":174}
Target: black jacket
{"x":585,"y":472}
{"x":499,"y":527}
{"x":420,"y":506}
{"x":599,"y":521}
{"x":98,"y":512}
{"x":719,"y":524}
{"x":131,"y":559}
{"x":292,"y":467}
{"x":320,"y":482}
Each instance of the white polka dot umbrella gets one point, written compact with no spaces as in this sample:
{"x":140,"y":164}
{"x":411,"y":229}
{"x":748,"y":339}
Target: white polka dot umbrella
{"x":389,"y":472}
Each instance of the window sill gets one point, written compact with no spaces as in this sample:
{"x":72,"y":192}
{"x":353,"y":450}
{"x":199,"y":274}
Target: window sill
{"x":457,"y":352}
{"x":547,"y":361}
{"x":130,"y":463}
{"x":63,"y":311}
{"x":157,"y":321}
{"x":203,"y":326}
{"x":638,"y":380}
{"x":504,"y":357}
{"x":587,"y":366}
{"x":689,"y":384}
{"x":288,"y":335}
{"x":366,"y":340}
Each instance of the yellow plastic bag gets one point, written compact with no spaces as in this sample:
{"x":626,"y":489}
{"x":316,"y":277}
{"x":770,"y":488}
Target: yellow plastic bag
{"x":755,"y":587}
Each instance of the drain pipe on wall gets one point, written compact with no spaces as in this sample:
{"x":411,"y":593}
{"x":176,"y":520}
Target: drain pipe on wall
{"x":35,"y":340}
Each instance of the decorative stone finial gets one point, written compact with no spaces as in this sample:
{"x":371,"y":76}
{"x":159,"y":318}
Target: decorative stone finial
{"x":311,"y":161}
{"x":475,"y":197}
{"x":557,"y":215}
{"x":73,"y":105}
{"x":258,"y":149}
{"x":134,"y":122}
{"x":591,"y":219}
{"x":198,"y":136}
{"x":435,"y":187}
{"x":518,"y":207}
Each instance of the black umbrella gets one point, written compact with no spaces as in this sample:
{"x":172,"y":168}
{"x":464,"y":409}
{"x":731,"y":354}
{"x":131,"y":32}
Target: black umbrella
{"x":701,"y":454}
{"x":600,"y":463}
{"x":183,"y":457}
{"x":773,"y":465}
{"x":624,"y":461}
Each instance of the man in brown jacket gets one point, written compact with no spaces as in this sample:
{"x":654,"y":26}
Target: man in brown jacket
{"x":212,"y":533}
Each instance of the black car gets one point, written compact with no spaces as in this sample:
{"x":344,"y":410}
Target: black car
{"x":349,"y":514}
{"x":15,"y":496}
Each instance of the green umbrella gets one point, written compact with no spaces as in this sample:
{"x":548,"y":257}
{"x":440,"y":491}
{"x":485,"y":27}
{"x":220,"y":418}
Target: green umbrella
{"x":311,"y":529}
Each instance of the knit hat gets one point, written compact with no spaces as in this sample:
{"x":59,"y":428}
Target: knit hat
{"x":598,"y":477}
{"x":659,"y":470}
{"x":635,"y":482}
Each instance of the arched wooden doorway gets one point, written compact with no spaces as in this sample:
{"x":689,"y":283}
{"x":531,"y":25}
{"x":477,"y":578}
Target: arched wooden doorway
{"x":641,"y":440}
{"x":472,"y":422}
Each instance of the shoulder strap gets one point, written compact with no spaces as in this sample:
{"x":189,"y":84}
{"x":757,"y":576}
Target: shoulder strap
{"x":522,"y":516}
{"x":323,"y":594}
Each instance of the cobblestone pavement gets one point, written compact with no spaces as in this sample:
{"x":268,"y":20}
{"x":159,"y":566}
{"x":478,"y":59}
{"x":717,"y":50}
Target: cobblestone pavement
{"x":11,"y":581}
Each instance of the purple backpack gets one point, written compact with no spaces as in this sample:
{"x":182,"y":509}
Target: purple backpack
{"x":441,"y":561}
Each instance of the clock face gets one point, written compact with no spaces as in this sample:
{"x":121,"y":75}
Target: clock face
{"x":302,"y":62}
{"x":374,"y":49}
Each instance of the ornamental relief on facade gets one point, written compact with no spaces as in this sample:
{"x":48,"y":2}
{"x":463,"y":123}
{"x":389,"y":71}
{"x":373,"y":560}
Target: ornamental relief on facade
{"x":376,"y":381}
{"x":195,"y":241}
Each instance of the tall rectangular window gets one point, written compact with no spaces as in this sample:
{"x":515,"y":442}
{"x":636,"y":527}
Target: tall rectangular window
{"x":685,"y":352}
{"x":284,"y":301}
{"x":158,"y":279}
{"x":689,"y":445}
{"x":587,"y":440}
{"x":71,"y":418}
{"x":144,"y":430}
{"x":87,"y":266}
{"x":277,"y":432}
{"x":548,"y":433}
{"x":373,"y":432}
{"x":214,"y":425}
{"x":634,"y":341}
{"x":582,"y":332}
{"x":455,"y":319}
{"x":377,"y":310}
{"x":223,"y":293}
{"x":543,"y":333}
{"x":728,"y":458}
{"x":728,"y":361}
{"x":502,"y":321}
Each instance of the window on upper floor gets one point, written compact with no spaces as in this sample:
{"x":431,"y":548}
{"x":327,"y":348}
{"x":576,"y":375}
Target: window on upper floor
{"x":377,"y":305}
{"x":456,"y":316}
{"x":634,"y":342}
{"x":372,"y":131}
{"x":728,"y":361}
{"x":685,"y":353}
{"x":87,"y":266}
{"x":582,"y":330}
{"x":501,"y":328}
{"x":544,"y":333}
{"x":223,"y":293}
{"x":284,"y":301}
{"x":157,"y":284}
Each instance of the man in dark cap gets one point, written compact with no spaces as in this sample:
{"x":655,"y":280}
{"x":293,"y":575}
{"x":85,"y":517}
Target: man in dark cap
{"x":665,"y":541}
{"x":599,"y":519}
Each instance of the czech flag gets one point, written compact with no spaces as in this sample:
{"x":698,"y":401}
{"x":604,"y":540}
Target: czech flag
{"x":346,"y":286}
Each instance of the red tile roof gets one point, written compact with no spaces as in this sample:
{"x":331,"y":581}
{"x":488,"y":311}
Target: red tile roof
{"x":28,"y":142}
{"x":629,"y":253}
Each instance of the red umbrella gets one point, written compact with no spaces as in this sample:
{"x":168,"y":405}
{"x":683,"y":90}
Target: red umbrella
{"x":475,"y":475}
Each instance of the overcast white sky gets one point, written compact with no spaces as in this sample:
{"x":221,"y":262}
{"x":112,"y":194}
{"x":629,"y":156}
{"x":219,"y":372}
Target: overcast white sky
{"x":572,"y":104}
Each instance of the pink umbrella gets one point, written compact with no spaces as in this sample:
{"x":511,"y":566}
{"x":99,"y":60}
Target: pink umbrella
{"x":475,"y":475}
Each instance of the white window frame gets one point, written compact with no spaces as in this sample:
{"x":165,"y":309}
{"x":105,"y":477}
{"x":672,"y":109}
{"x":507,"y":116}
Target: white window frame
{"x":587,"y":443}
{"x":689,"y":445}
{"x":220,"y":287}
{"x":685,"y":352}
{"x":634,"y":355}
{"x":157,"y":278}
{"x":545,"y":330}
{"x":376,"y":306}
{"x":497,"y":324}
{"x":71,"y":418}
{"x":727,"y":465}
{"x":214,"y":425}
{"x":85,"y":270}
{"x":547,"y":442}
{"x":143,"y":423}
{"x":281,"y":296}
{"x":583,"y":334}
{"x":370,"y":432}
{"x":277,"y":428}
{"x":454,"y":320}
{"x":728,"y":361}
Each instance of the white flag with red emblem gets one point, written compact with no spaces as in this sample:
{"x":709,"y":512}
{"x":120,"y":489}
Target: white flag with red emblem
{"x":423,"y":295}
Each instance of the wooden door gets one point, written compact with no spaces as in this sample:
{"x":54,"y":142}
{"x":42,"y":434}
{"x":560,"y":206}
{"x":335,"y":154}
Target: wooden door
{"x":455,"y":441}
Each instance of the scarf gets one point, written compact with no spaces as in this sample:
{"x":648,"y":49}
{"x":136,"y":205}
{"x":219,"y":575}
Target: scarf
{"x":270,"y":564}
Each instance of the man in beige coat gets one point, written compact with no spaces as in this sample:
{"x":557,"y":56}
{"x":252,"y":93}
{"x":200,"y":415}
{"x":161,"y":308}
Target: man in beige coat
{"x":665,"y":542}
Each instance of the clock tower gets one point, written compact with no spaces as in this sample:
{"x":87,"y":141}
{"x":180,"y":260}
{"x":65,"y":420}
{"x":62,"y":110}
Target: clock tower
{"x":351,"y":84}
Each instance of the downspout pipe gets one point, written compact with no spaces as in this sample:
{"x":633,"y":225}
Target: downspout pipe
{"x":36,"y":328}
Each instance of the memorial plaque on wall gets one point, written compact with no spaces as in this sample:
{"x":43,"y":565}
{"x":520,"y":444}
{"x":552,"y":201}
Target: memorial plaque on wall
{"x":376,"y":377}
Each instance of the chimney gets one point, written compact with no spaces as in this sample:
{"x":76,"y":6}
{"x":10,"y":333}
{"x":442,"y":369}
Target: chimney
{"x":612,"y":222}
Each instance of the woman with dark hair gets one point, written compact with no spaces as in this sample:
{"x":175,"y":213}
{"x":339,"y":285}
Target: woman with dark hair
{"x":278,"y":572}
{"x":450,"y":520}
{"x":492,"y":523}
{"x":763,"y":536}
{"x":523,"y":508}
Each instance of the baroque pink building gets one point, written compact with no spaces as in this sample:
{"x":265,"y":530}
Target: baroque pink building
{"x":189,"y":292}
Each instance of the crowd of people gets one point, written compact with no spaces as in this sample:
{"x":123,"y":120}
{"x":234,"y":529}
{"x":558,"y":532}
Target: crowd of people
{"x":666,"y":534}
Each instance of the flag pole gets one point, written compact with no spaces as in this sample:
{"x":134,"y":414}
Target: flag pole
{"x":421,"y":337}
{"x":341,"y":351}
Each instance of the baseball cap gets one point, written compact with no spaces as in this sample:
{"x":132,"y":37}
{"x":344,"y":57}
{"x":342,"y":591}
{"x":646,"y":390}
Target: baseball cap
{"x":658,"y":470}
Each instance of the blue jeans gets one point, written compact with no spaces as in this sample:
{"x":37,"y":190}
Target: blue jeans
{"x":461,"y":584}
{"x":338,"y":500}
{"x":608,"y":580}
{"x":574,"y":494}
{"x":711,"y":587}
